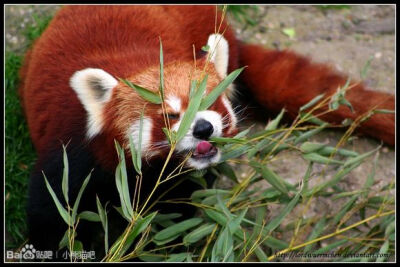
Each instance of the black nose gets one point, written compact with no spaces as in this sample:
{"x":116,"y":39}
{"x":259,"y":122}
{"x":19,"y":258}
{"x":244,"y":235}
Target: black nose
{"x":203,"y":129}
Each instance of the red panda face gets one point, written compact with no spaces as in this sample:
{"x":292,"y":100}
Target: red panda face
{"x":115,"y":108}
{"x":218,"y":120}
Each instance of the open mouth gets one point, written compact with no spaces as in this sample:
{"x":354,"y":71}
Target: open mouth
{"x":204,"y":150}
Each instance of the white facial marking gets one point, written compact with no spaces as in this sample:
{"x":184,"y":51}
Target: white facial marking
{"x":228,"y":107}
{"x":134,"y":131}
{"x":189,"y":142}
{"x":174,"y":102}
{"x":198,"y":165}
{"x":93,"y":88}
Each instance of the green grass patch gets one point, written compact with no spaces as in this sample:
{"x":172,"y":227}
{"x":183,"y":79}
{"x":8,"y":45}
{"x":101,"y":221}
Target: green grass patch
{"x":19,"y":155}
{"x":19,"y":152}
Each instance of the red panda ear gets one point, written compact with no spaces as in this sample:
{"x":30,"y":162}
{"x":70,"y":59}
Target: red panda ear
{"x":219,"y":53}
{"x":93,"y":88}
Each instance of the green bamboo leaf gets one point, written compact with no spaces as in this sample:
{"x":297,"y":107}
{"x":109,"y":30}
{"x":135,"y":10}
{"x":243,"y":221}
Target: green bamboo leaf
{"x":328,"y":150}
{"x":370,"y":179}
{"x":312,"y":102}
{"x":199,"y":233}
{"x":364,"y":70}
{"x":314,"y":157}
{"x":271,"y":177}
{"x":344,"y":210}
{"x":217,"y":91}
{"x":89,"y":216}
{"x":308,"y":147}
{"x":310,"y":133}
{"x":360,"y":157}
{"x":193,"y":84}
{"x":133,"y":153}
{"x":276,"y":221}
{"x":384,"y":111}
{"x":161,"y":72}
{"x":223,"y":247}
{"x":104,"y":221}
{"x":244,"y":132}
{"x":78,"y":198}
{"x":269,"y":241}
{"x":216,"y":216}
{"x":205,"y":48}
{"x":124,"y":183}
{"x":221,"y":205}
{"x":121,"y":178}
{"x":139,"y":150}
{"x":179,"y":257}
{"x":344,"y":101}
{"x":198,"y":180}
{"x":202,"y":193}
{"x":259,"y":146}
{"x":151,"y":257}
{"x":165,"y":241}
{"x":330,"y":247}
{"x":227,"y":170}
{"x":384,"y":249}
{"x":164,"y":217}
{"x":65,"y":175}
{"x":227,"y":140}
{"x":65,"y":239}
{"x":235,"y":153}
{"x":191,"y":110}
{"x":146,"y":94}
{"x":118,"y":183}
{"x":336,"y":178}
{"x":78,"y":246}
{"x":140,"y":225}
{"x":316,"y":232}
{"x":308,"y":117}
{"x":260,"y":217}
{"x":234,"y":224}
{"x":61,"y":210}
{"x":177,"y":229}
{"x":272,"y":125}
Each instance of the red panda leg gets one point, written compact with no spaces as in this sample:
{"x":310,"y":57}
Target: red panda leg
{"x":283,"y":79}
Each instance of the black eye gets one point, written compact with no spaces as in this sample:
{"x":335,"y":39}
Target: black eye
{"x":173,"y":116}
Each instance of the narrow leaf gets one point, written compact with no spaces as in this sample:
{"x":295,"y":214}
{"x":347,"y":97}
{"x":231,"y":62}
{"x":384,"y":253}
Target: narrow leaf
{"x":65,"y":175}
{"x":161,"y":72}
{"x":78,"y":198}
{"x":177,"y":228}
{"x":89,"y":216}
{"x":271,"y":177}
{"x":146,"y":94}
{"x":276,"y":221}
{"x":191,"y":110}
{"x":199,"y":233}
{"x":217,"y":91}
{"x":61,"y":210}
{"x":312,"y":102}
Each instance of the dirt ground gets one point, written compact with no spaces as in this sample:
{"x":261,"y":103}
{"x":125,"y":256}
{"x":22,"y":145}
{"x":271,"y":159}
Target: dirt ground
{"x":344,"y":38}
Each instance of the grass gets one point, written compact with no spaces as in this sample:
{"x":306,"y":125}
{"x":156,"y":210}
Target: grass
{"x":19,"y":152}
{"x":258,"y":216}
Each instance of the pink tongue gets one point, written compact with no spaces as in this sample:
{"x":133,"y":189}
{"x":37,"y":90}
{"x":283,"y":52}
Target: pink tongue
{"x":203,"y":147}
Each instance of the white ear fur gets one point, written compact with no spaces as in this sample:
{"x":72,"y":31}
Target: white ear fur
{"x":219,"y":49}
{"x":93,"y":88}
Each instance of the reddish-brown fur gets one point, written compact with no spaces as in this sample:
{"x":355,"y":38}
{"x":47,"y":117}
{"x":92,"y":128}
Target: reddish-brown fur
{"x":283,"y":79}
{"x":124,"y":41}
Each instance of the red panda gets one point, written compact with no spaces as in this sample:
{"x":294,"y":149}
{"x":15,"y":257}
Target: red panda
{"x":71,"y":94}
